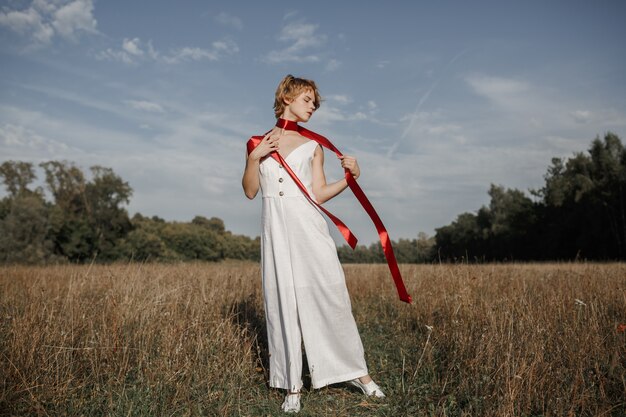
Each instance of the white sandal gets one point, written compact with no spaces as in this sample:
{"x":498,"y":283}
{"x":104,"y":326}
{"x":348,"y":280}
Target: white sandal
{"x":371,"y":389}
{"x":291,"y":403}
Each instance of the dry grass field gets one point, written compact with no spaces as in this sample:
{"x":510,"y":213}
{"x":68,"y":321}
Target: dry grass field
{"x":189,"y":339}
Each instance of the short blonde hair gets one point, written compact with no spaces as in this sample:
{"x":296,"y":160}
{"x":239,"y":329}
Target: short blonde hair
{"x":291,"y":87}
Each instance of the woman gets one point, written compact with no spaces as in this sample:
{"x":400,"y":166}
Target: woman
{"x":304,"y":287}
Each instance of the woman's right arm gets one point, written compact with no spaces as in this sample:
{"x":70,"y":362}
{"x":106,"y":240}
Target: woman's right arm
{"x":250,"y":180}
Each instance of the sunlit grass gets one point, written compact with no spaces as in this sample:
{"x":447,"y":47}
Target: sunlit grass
{"x":189,"y":339}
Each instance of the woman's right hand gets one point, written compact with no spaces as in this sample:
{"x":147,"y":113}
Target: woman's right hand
{"x":268,"y":144}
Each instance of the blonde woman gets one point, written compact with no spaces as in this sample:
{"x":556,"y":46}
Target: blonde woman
{"x":305,"y":295}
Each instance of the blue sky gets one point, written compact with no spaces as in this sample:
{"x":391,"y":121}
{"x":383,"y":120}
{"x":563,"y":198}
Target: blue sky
{"x":435,"y":99}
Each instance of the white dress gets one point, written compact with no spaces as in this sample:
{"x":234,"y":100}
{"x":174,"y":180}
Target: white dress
{"x":304,"y":288}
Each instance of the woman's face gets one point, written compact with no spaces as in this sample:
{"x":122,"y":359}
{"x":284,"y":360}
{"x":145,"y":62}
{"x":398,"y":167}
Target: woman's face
{"x":302,"y":107}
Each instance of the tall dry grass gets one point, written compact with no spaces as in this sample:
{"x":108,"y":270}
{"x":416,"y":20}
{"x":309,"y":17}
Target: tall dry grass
{"x":189,"y":339}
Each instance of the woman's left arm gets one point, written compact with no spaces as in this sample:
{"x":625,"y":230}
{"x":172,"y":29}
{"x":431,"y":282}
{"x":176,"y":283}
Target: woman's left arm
{"x":324,"y":192}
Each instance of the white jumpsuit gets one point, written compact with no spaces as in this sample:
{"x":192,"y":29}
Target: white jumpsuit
{"x":304,"y":288}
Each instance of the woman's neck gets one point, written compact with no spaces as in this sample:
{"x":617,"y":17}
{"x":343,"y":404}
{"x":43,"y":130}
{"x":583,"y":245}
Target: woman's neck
{"x":288,"y":115}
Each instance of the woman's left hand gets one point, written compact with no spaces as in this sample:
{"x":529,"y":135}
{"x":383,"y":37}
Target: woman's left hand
{"x":350,"y":163}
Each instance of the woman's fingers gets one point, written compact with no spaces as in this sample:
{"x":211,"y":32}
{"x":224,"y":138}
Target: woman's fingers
{"x":347,"y":161}
{"x":271,"y":140}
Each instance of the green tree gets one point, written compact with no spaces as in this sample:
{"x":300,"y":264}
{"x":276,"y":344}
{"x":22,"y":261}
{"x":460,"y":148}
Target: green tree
{"x":215,"y":224}
{"x":406,"y":251}
{"x":142,"y":245}
{"x":192,"y":242}
{"x":17,"y":176}
{"x":87,"y":217}
{"x":425,"y":247}
{"x":67,"y":185}
{"x":512,"y":224}
{"x":24,"y":232}
{"x":73,"y":238}
{"x":585,"y":213}
{"x":105,"y":194}
{"x":24,"y":217}
{"x":608,"y":173}
{"x":581,"y":213}
{"x":241,"y":247}
{"x":462,"y":239}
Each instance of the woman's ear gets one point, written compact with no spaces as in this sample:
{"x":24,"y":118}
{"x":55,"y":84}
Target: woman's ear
{"x":287,"y":101}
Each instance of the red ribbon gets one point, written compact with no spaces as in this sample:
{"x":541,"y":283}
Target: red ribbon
{"x":385,"y":241}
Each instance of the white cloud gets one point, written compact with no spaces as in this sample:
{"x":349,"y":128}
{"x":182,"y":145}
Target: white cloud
{"x":339,"y":98}
{"x":130,"y":52}
{"x":15,"y":138}
{"x":301,"y":43}
{"x":73,"y":17}
{"x":63,"y":138}
{"x":27,"y":22}
{"x":301,"y":37}
{"x":302,"y":34}
{"x":41,"y":21}
{"x":535,"y":122}
{"x":135,"y":50}
{"x":525,"y":112}
{"x":190,"y":54}
{"x":502,"y":91}
{"x":496,"y":86}
{"x":229,"y":20}
{"x":145,"y":106}
{"x":328,"y":114}
{"x":217,"y":51}
{"x":115,"y":55}
{"x":82,"y":100}
{"x":429,"y":130}
{"x":581,"y":116}
{"x":132,"y":46}
{"x":333,"y":64}
{"x":290,"y":14}
{"x":565,"y":145}
{"x":225,"y":46}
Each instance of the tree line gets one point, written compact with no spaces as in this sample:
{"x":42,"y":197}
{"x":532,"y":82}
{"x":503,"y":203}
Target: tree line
{"x":84,"y":220}
{"x":580,"y":213}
